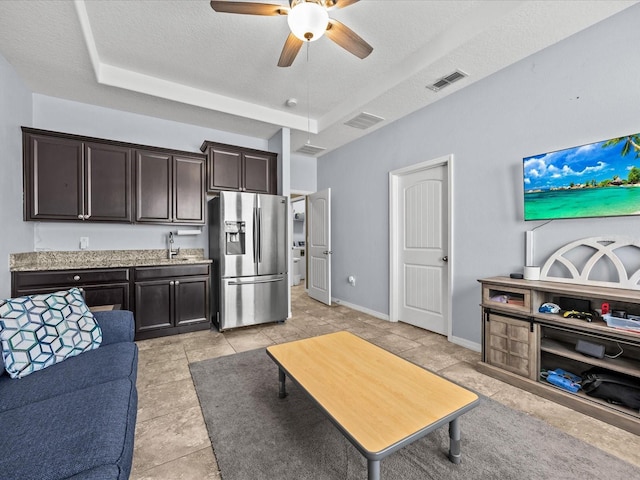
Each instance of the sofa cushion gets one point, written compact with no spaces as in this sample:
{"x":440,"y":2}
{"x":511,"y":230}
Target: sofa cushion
{"x":87,"y":430}
{"x":116,"y":325}
{"x":105,"y":364}
{"x":37,"y":331}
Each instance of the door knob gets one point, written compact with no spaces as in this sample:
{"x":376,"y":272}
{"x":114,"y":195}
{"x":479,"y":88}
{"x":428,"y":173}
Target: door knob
{"x":445,"y":259}
{"x":327,"y":252}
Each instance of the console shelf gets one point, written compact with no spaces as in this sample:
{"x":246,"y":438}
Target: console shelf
{"x":566,"y":350}
{"x":519,"y":342}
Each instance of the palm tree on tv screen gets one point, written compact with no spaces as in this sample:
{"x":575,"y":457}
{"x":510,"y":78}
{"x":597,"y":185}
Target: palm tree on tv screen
{"x":631,"y":142}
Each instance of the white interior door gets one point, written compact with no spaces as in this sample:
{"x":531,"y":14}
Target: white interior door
{"x":422,"y":243}
{"x":319,"y":245}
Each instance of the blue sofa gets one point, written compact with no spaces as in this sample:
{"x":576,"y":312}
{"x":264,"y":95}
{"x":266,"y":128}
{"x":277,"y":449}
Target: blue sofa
{"x":75,"y":419}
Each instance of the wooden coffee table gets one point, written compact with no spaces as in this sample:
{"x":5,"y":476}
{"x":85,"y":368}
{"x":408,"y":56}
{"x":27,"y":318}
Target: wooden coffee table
{"x":379,"y":401}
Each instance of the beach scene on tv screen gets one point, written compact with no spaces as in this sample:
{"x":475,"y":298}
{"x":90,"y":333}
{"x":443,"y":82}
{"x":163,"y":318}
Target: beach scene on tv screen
{"x":599,"y":179}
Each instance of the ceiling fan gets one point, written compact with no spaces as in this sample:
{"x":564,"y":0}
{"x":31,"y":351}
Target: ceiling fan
{"x":308,"y":21}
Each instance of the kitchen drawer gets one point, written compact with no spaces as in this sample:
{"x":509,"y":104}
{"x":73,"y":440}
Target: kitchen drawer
{"x":69,"y":278}
{"x":94,"y":295}
{"x":169,"y":271}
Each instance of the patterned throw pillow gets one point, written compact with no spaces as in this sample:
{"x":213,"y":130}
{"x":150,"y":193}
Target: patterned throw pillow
{"x":40,"y":330}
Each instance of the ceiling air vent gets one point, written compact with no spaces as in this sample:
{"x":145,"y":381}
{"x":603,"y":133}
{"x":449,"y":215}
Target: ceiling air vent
{"x":364,"y":121}
{"x":309,"y":149}
{"x":447,"y":80}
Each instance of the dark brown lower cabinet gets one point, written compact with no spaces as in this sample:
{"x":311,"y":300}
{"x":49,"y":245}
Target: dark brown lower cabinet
{"x":171,"y":299}
{"x":165,"y":300}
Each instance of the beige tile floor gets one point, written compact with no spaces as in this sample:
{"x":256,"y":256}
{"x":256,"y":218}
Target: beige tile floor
{"x":171,"y":438}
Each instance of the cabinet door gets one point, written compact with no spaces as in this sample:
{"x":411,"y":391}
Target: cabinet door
{"x":53,"y":178}
{"x":189,"y":194}
{"x":98,"y":295}
{"x":154,"y":196}
{"x":510,"y":344}
{"x":108,"y":182}
{"x":192,"y":300}
{"x":259,"y":172}
{"x":225,"y":169}
{"x":153,"y":305}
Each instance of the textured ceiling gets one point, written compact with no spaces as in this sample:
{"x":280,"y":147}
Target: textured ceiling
{"x":182,"y":61}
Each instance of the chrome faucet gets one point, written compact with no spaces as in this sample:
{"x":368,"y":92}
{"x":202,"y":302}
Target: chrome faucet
{"x":172,"y":252}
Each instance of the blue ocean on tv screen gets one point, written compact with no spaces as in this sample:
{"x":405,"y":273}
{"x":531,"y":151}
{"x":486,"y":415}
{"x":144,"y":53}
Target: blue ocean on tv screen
{"x":597,"y":202}
{"x":596,"y":180}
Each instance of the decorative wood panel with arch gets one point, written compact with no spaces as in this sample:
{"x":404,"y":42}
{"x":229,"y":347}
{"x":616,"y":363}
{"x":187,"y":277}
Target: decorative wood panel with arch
{"x":589,"y":260}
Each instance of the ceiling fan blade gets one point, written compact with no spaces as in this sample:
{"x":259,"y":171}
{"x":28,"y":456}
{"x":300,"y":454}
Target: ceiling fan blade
{"x":290,"y":50}
{"x":347,"y":39}
{"x":339,"y":3}
{"x":249,"y":8}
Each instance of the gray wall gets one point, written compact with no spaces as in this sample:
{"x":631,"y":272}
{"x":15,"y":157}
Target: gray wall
{"x":303,"y":173}
{"x":581,"y":90}
{"x":15,"y":111}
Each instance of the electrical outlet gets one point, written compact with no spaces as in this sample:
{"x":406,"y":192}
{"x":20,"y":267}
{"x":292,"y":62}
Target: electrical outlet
{"x":84,"y":243}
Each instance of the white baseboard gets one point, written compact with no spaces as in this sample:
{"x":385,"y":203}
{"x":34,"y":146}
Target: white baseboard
{"x":463,"y":342}
{"x":373,"y":313}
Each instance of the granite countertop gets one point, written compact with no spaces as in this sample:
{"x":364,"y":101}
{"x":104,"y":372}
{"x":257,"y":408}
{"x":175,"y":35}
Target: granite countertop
{"x":43,"y":261}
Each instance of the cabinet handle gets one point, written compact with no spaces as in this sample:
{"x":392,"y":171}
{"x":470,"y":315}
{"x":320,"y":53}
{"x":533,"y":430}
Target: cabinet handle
{"x":177,"y":282}
{"x":76,"y":277}
{"x":81,"y":289}
{"x":81,"y":217}
{"x":172,"y":283}
{"x":85,"y":217}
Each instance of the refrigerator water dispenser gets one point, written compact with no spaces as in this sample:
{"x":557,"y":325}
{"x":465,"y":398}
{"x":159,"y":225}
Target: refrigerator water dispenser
{"x":234,"y":238}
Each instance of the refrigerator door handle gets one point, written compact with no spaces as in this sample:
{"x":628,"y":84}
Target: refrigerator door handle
{"x":255,"y":235}
{"x":259,"y":234}
{"x":252,"y":282}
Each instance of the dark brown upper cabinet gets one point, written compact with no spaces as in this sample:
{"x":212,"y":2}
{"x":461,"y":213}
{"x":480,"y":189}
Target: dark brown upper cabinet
{"x":74,"y":178}
{"x":170,"y":187}
{"x":68,"y":178}
{"x":240,"y":169}
{"x":108,"y":182}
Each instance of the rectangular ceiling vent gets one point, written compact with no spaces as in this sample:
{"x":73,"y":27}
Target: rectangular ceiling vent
{"x":309,"y":149}
{"x":447,"y":80}
{"x":364,"y":121}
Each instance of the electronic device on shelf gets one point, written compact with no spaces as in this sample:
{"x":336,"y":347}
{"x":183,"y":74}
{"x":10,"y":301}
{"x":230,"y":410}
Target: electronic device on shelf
{"x":549,"y":308}
{"x":596,"y":350}
{"x":563,"y":379}
{"x":575,"y":314}
{"x":576,"y":304}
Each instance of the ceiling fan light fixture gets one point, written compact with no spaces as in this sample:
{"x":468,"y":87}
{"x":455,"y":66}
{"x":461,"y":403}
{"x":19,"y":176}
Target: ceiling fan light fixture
{"x":308,"y":21}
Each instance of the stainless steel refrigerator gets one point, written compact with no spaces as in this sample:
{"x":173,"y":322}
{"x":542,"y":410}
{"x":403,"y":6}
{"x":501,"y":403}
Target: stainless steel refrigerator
{"x":248,"y":246}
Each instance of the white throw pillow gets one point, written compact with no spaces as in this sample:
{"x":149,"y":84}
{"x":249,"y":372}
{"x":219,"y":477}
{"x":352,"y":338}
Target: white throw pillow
{"x":37,"y":331}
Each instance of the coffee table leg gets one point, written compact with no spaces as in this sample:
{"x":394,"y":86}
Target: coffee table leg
{"x":454,"y":440}
{"x":281,"y":377}
{"x":373,"y":467}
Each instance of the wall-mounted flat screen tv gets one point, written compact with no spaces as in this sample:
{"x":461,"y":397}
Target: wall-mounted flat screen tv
{"x":599,"y":179}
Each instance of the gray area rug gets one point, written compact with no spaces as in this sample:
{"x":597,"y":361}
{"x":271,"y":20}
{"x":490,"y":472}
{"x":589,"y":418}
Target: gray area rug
{"x":256,"y":435}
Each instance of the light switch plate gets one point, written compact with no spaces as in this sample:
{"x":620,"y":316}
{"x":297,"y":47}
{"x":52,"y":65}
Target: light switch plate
{"x":84,"y":243}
